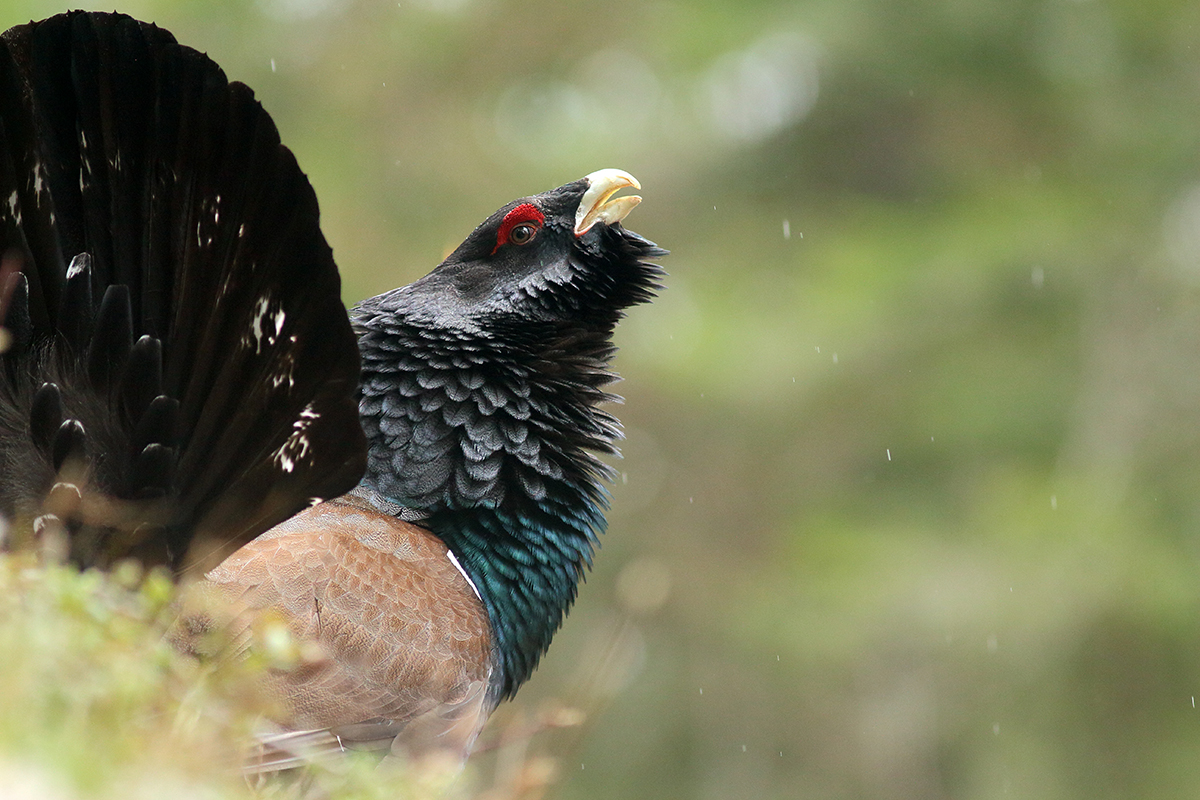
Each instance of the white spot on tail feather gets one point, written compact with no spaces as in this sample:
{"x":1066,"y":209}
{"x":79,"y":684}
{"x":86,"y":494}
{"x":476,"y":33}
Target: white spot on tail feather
{"x":256,"y":325}
{"x":39,"y":179}
{"x":285,"y":373}
{"x":286,"y":370}
{"x":298,"y":444}
{"x":208,"y":206}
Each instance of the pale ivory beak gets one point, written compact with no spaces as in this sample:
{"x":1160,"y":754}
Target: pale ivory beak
{"x":596,"y":205}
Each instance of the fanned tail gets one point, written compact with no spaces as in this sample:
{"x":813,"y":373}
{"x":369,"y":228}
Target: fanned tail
{"x":180,"y":372}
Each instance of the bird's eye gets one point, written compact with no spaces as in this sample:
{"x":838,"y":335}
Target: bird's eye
{"x":519,"y":226}
{"x":522,"y":234}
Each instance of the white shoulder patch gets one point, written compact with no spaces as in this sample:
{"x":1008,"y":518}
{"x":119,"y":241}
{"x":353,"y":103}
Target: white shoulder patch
{"x":458,"y":566}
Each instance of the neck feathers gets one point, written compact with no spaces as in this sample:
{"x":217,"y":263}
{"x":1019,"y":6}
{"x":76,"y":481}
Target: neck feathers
{"x":493,"y":437}
{"x":481,"y":413}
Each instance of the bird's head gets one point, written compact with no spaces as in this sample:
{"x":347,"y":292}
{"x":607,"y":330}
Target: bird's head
{"x":559,"y":256}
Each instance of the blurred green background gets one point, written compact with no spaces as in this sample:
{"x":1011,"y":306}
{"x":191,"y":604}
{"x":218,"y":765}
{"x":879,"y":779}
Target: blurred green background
{"x":909,"y":506}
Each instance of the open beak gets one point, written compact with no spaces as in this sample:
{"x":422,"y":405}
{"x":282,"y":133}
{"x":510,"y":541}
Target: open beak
{"x":596,"y":205}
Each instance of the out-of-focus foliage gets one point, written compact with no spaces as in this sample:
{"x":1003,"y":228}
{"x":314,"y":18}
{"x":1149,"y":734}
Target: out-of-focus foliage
{"x":94,"y":702}
{"x":910,"y":505}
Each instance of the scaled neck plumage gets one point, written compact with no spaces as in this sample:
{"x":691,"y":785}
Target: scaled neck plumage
{"x":498,"y":456}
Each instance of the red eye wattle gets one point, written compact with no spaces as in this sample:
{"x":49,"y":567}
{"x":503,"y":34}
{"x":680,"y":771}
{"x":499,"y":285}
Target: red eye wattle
{"x":519,"y":226}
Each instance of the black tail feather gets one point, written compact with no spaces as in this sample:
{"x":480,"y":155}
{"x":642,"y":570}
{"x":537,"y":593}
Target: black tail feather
{"x":112,"y":339}
{"x":16,"y":307}
{"x":142,"y":380}
{"x":45,"y":416}
{"x":210,"y":393}
{"x":75,"y":307}
{"x":70,"y":441}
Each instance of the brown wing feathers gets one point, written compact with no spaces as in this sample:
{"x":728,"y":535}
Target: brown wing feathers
{"x":403,"y":640}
